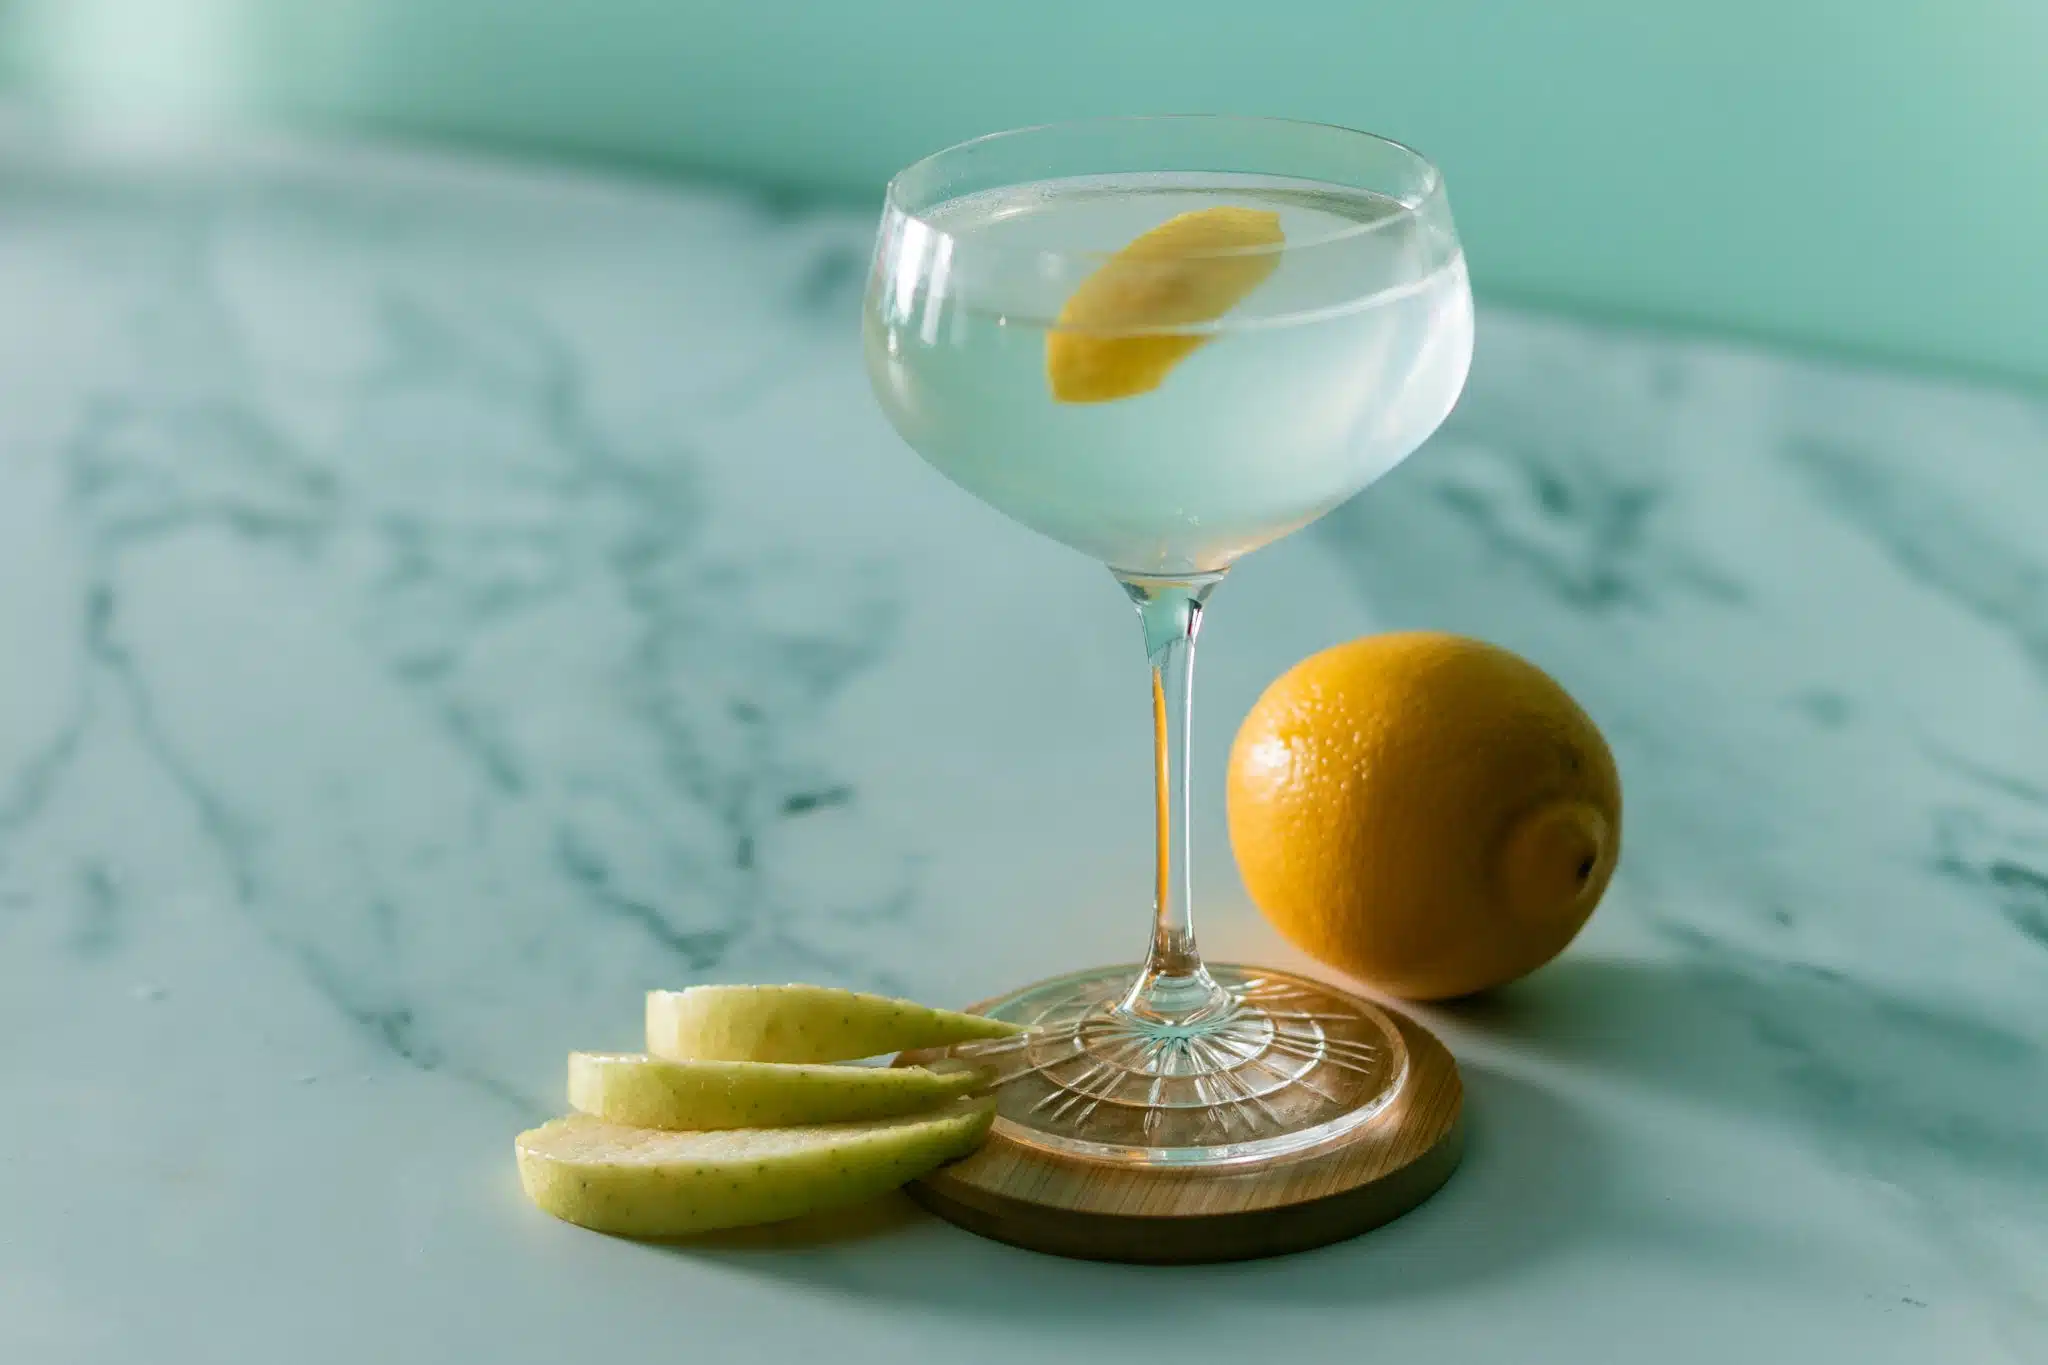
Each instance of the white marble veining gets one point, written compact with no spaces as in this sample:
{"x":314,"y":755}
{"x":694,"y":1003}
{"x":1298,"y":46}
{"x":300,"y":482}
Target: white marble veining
{"x":438,"y":602}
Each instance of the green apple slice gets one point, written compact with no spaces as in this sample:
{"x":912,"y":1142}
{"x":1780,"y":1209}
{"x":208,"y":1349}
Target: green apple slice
{"x":800,"y":1024}
{"x":650,"y":1092}
{"x":643,"y":1182}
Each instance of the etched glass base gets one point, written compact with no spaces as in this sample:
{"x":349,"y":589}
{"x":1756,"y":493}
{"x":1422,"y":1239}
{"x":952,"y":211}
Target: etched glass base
{"x":1289,"y":1065}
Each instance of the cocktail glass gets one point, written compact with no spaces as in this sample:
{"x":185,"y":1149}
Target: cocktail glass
{"x":1220,"y":427}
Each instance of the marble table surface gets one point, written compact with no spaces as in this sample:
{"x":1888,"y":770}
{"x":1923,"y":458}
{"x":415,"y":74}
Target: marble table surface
{"x":439,"y":600}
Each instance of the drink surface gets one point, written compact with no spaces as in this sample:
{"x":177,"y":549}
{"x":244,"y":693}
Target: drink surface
{"x":1319,"y":381}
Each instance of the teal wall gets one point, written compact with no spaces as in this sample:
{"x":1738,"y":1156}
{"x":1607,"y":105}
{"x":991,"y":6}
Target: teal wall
{"x":1869,"y":175}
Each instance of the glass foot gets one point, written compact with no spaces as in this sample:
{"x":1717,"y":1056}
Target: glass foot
{"x":1288,"y":1066}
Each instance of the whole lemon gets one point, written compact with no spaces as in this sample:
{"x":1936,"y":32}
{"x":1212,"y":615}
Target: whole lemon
{"x":1429,"y":813}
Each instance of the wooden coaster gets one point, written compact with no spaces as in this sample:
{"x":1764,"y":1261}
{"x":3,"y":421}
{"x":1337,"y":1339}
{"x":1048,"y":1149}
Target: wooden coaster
{"x":1070,"y":1207}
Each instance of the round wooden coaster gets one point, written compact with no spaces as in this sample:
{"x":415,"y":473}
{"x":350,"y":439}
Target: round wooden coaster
{"x":1100,"y":1212}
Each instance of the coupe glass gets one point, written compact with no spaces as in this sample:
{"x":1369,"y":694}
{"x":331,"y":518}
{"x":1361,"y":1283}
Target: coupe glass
{"x":1248,"y":417}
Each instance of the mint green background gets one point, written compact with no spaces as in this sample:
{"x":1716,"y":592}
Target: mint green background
{"x":1866,"y":175}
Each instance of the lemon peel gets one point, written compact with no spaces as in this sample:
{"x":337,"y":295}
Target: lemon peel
{"x":1112,"y":340}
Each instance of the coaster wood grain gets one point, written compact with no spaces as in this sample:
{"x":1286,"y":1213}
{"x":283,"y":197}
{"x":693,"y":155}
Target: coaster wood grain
{"x":1069,"y":1207}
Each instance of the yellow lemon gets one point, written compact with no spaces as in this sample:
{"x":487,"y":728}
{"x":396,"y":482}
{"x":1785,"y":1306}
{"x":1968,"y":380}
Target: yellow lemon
{"x":1428,"y":813}
{"x":1113,"y":337}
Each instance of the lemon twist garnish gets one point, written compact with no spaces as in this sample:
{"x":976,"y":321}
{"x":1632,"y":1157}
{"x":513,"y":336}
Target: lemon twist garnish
{"x":1190,"y":269}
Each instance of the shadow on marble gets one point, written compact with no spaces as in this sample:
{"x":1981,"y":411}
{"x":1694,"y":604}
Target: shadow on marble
{"x":1861,"y":1068}
{"x":1532,"y":1180}
{"x":862,"y":1222}
{"x":1546,"y":1175}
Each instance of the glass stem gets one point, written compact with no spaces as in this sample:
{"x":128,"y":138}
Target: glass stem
{"x":1174,"y":988}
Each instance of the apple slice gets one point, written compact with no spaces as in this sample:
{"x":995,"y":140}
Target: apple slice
{"x":800,"y":1024}
{"x":642,"y":1182}
{"x":649,"y":1092}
